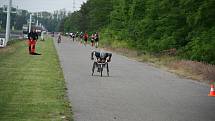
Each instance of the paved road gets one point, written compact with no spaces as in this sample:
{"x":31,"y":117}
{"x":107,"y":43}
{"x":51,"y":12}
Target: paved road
{"x":134,"y":92}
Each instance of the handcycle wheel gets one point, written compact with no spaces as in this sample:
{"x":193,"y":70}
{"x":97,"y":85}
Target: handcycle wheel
{"x":58,"y":41}
{"x":107,"y":69}
{"x":101,"y":69}
{"x":94,"y":64}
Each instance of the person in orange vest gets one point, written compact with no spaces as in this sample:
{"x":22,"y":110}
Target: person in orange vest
{"x":85,"y":38}
{"x":32,"y":39}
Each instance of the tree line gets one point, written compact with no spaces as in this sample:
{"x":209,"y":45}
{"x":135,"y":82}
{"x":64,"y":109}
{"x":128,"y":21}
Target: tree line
{"x":152,"y":25}
{"x":20,"y":17}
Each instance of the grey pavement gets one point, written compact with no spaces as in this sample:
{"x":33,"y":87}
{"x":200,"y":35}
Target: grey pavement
{"x":134,"y":91}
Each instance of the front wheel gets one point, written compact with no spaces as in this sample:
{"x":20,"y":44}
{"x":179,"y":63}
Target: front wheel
{"x":94,"y":64}
{"x":58,"y":41}
{"x":107,"y":69}
{"x":101,"y":69}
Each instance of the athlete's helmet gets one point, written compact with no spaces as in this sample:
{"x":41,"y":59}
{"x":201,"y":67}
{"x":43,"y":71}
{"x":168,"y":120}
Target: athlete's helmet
{"x":102,"y":54}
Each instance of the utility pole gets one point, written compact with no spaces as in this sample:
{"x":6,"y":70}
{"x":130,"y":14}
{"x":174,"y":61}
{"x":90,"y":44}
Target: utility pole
{"x":37,"y":20}
{"x":7,"y":35}
{"x":29,"y":28}
{"x":0,"y":24}
{"x":37,"y":24}
{"x":73,"y":5}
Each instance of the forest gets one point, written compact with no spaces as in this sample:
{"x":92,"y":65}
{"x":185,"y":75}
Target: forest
{"x":151,"y":26}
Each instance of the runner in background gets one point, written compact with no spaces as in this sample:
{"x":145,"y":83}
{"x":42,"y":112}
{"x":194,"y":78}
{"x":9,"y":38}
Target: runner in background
{"x":73,"y":37}
{"x":42,"y":35}
{"x":97,"y":39}
{"x":59,"y":38}
{"x":92,"y":40}
{"x":81,"y":37}
{"x":85,"y":38}
{"x":77,"y":36}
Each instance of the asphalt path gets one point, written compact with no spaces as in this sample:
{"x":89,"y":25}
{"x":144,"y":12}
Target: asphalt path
{"x":134,"y":91}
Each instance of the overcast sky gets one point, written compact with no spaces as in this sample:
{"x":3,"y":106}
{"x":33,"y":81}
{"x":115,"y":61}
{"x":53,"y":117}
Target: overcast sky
{"x":44,"y":5}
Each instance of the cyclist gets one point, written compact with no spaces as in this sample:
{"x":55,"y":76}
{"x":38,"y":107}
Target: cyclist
{"x":101,"y":57}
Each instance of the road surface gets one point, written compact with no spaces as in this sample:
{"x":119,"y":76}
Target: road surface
{"x":134,"y":91}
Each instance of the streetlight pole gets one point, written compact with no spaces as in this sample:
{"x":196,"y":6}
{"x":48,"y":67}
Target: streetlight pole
{"x":0,"y":24}
{"x":29,"y":28}
{"x":73,"y":5}
{"x":7,"y":35}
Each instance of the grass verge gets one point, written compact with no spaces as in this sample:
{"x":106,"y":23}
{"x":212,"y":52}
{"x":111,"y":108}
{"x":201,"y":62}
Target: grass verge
{"x":32,"y":87}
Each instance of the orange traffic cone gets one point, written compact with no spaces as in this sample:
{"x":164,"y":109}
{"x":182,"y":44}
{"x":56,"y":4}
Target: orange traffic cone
{"x":212,"y":92}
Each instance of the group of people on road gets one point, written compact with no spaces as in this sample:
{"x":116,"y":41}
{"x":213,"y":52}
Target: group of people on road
{"x":101,"y":56}
{"x":95,"y":39}
{"x":84,"y":38}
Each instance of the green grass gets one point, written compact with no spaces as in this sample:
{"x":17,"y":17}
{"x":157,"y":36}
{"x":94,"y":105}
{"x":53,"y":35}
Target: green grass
{"x":32,"y":88}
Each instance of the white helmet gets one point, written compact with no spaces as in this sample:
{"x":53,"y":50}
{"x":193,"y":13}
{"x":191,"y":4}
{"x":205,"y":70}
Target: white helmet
{"x":102,"y":54}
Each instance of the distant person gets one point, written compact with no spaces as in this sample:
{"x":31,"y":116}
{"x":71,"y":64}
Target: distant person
{"x":81,"y":37}
{"x":1,"y":42}
{"x":70,"y":34}
{"x":77,"y":36}
{"x":73,"y":37}
{"x":59,"y":38}
{"x":42,"y":35}
{"x":52,"y":34}
{"x":32,"y":39}
{"x":92,"y":39}
{"x":97,"y":39}
{"x":85,"y":38}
